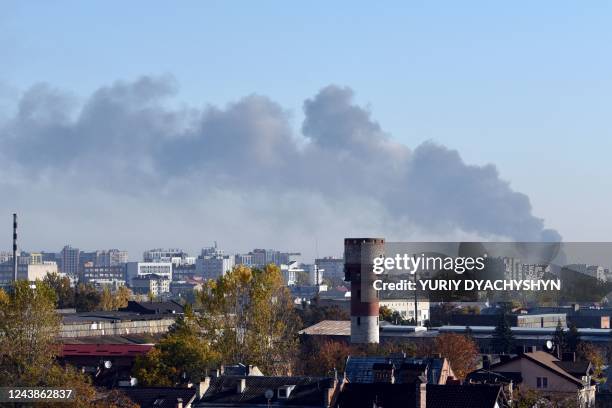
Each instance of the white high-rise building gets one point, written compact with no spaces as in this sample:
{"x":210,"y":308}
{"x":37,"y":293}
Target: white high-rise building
{"x":212,"y":267}
{"x":134,"y":269}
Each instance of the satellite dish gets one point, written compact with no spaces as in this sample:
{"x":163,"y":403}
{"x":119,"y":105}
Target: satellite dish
{"x":108,"y":364}
{"x":549,"y":345}
{"x":269,"y":394}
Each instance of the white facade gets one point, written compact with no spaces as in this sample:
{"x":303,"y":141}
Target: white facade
{"x":135,"y":269}
{"x":405,"y":307}
{"x":25,"y":271}
{"x":212,"y":267}
{"x":175,"y":256}
{"x":290,"y":272}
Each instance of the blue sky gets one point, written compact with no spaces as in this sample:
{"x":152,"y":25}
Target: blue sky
{"x":526,"y":86}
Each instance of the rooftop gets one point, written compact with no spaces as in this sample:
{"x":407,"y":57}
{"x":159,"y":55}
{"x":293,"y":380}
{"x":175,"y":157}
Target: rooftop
{"x":69,"y":350}
{"x":359,"y":369}
{"x":329,"y":328}
{"x":306,"y":391}
{"x":159,"y":397}
{"x":462,"y":396}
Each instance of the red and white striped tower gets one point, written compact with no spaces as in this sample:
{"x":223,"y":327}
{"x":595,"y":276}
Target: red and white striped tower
{"x":358,"y":264}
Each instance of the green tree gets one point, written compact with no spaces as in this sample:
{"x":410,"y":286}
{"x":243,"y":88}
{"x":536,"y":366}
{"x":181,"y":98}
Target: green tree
{"x":182,"y":356}
{"x":385,"y":314}
{"x":503,"y":339}
{"x":251,"y":318}
{"x":572,"y":338}
{"x":63,"y":291}
{"x":86,"y":298}
{"x":28,"y":329}
{"x":559,"y":339}
{"x":314,"y":313}
{"x":588,"y":352}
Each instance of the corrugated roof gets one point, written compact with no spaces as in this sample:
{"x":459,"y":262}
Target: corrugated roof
{"x":329,"y":328}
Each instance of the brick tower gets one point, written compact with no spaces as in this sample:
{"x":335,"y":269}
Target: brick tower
{"x":358,"y":256}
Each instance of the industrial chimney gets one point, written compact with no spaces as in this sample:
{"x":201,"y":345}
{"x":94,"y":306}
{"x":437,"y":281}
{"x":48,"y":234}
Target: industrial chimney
{"x":15,"y":247}
{"x":359,"y":254}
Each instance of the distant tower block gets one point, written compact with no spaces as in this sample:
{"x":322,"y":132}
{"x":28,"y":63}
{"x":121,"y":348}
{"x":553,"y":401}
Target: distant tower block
{"x":358,"y":256}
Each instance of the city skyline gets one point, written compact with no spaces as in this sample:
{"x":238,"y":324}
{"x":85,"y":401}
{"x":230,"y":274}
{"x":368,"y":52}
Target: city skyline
{"x":172,"y":144}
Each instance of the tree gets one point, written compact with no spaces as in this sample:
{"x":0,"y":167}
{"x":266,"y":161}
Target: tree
{"x":86,"y":298}
{"x":588,"y":352}
{"x":106,"y":300}
{"x":28,"y":329}
{"x":63,"y":291}
{"x":529,"y":398}
{"x":559,"y":339}
{"x":251,"y":319}
{"x":385,"y":314}
{"x":122,"y":297}
{"x":313,"y":313}
{"x":182,"y":356}
{"x":572,"y":338}
{"x":503,"y":339}
{"x":320,"y":358}
{"x":461,"y":351}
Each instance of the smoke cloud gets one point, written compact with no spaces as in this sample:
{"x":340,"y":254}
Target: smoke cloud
{"x":125,"y":168}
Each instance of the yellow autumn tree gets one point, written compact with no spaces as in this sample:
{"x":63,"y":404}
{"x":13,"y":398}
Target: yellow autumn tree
{"x":249,"y":318}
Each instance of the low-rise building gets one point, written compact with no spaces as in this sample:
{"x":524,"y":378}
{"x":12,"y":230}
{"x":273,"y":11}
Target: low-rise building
{"x":25,"y":271}
{"x":543,"y":372}
{"x":406,"y":308}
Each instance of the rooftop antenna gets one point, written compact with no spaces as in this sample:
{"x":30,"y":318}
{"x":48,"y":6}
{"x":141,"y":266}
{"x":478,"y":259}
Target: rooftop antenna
{"x":15,"y":247}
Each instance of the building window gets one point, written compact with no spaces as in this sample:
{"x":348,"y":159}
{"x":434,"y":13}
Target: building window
{"x":358,"y":321}
{"x":542,"y":382}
